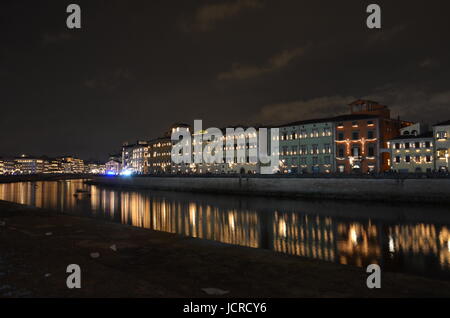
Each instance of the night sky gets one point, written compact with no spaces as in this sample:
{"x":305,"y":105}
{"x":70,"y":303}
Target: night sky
{"x":136,"y":67}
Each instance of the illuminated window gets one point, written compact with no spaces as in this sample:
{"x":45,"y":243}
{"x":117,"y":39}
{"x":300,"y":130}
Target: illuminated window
{"x":294,"y":150}
{"x":303,"y":133}
{"x":303,"y":149}
{"x":327,"y":131}
{"x":356,"y":151}
{"x":441,"y":153}
{"x":315,"y":149}
{"x":441,"y":135}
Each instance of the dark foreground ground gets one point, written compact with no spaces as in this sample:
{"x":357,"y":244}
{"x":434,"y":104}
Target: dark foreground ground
{"x":36,"y":247}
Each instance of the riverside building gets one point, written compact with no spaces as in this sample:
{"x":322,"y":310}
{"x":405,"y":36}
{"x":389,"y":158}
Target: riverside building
{"x":127,"y":152}
{"x":236,"y":145}
{"x":441,"y":133}
{"x":160,"y":159}
{"x":362,"y":138}
{"x":139,"y":157}
{"x":307,"y":147}
{"x":113,"y":167}
{"x":413,"y":150}
{"x":71,"y":165}
{"x":29,"y":165}
{"x":53,"y":166}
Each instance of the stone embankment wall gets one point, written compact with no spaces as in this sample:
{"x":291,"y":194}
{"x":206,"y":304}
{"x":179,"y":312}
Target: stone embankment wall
{"x":410,"y":190}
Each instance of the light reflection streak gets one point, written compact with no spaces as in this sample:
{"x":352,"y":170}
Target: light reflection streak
{"x":292,"y":232}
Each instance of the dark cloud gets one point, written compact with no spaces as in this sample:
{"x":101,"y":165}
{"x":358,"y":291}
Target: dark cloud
{"x":386,"y":35}
{"x":52,"y":38}
{"x":130,"y":72}
{"x":206,"y":17}
{"x":429,"y":63}
{"x":275,"y":63}
{"x":110,"y":80}
{"x":410,"y":103}
{"x":415,"y":103}
{"x":305,"y":109}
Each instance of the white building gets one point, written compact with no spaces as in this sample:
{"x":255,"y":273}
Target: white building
{"x":442,"y":145}
{"x":139,"y":157}
{"x":113,"y":167}
{"x":28,"y":165}
{"x":240,"y":144}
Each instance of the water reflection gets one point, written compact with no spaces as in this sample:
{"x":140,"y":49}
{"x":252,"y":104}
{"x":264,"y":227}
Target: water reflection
{"x":400,"y":238}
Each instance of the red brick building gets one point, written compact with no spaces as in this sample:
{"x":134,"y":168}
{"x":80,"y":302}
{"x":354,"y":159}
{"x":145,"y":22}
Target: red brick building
{"x":362,"y":136}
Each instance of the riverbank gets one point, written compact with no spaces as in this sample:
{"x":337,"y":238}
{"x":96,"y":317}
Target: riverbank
{"x":38,"y":245}
{"x":383,"y":190}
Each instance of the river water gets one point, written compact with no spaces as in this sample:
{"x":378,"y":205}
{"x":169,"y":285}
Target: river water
{"x":405,"y":237}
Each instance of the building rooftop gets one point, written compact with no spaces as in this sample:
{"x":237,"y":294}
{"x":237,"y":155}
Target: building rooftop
{"x":331,"y":119}
{"x":445,"y":123}
{"x":428,"y":134}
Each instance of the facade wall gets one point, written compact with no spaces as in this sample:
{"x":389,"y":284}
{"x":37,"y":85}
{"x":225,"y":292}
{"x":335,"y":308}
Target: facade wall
{"x":53,"y":166}
{"x":94,"y":168}
{"x":160,"y":160}
{"x":411,"y":155}
{"x":72,"y":165}
{"x":240,"y":162}
{"x":307,"y":148}
{"x":140,"y":159}
{"x":442,"y":147}
{"x":389,"y":129}
{"x":30,"y":166}
{"x":113,"y":167}
{"x":358,"y":146}
{"x":127,"y":151}
{"x":7,"y":167}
